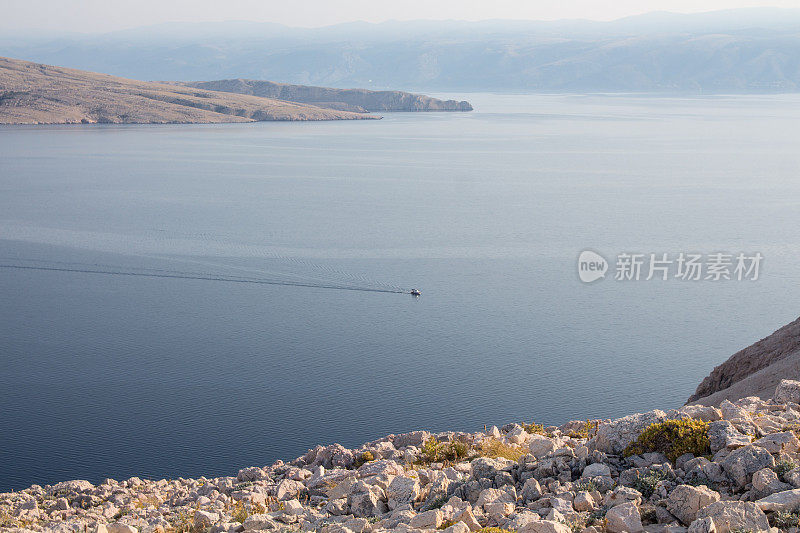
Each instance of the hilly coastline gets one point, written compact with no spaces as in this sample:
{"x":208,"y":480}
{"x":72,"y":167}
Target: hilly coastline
{"x":32,"y":93}
{"x":357,"y":100}
{"x":711,"y":470}
{"x":755,"y":370}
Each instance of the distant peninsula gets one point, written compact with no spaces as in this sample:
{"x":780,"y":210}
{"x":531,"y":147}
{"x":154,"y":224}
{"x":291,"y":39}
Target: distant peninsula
{"x":32,"y":93}
{"x":356,"y":100}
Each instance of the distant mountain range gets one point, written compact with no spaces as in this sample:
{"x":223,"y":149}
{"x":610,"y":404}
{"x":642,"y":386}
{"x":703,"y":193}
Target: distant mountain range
{"x":737,"y":51}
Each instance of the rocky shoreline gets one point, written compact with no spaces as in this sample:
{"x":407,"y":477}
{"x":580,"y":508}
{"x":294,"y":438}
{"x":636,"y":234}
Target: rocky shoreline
{"x":631,"y":474}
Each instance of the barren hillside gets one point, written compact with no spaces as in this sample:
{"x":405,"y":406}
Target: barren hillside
{"x":32,"y":93}
{"x":755,"y":370}
{"x":347,"y":99}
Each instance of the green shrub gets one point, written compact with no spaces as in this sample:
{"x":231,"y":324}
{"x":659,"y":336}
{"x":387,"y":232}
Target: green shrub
{"x":533,"y":428}
{"x":586,"y":484}
{"x":702,"y":480}
{"x":783,"y":467}
{"x":431,"y":450}
{"x":437,"y":503}
{"x":455,"y":450}
{"x":673,"y":438}
{"x":784,"y":519}
{"x":646,"y":484}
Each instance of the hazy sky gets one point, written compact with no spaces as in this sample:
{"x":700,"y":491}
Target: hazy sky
{"x":108,"y":15}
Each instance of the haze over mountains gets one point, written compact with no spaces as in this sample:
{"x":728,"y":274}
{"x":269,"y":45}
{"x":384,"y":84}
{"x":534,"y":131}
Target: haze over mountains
{"x":737,"y":51}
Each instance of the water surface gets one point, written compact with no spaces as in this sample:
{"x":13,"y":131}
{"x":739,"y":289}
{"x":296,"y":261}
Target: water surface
{"x":120,"y":374}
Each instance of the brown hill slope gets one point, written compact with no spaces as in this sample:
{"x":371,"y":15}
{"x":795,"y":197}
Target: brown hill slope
{"x":755,"y":370}
{"x":31,"y":93}
{"x":350,"y":99}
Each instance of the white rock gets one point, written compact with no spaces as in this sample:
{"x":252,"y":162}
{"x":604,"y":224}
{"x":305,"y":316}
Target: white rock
{"x":539,"y":445}
{"x":685,"y":501}
{"x":787,"y":391}
{"x":289,"y":489}
{"x":428,"y":520}
{"x":596,"y":469}
{"x":493,"y":495}
{"x":517,"y":435}
{"x":531,"y":490}
{"x":259,"y":522}
{"x":293,"y":507}
{"x":204,"y":519}
{"x":584,"y":501}
{"x":458,"y":527}
{"x":784,"y":442}
{"x":403,"y":489}
{"x":545,"y":526}
{"x":118,"y":527}
{"x":729,"y":516}
{"x":613,"y":437}
{"x":766,"y":482}
{"x":743,"y":462}
{"x":787,"y":500}
{"x":469,"y":519}
{"x":624,"y":518}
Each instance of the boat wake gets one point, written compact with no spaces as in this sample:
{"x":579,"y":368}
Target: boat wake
{"x":322,"y":280}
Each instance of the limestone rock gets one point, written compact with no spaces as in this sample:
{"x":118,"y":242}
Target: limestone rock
{"x":787,"y":391}
{"x":743,"y":462}
{"x":685,"y":501}
{"x":722,"y":435}
{"x":545,"y":526}
{"x":613,"y":437}
{"x":540,"y":446}
{"x":403,"y":489}
{"x":783,"y":442}
{"x":730,"y":516}
{"x":624,"y":518}
{"x":787,"y":500}
{"x":766,"y":482}
{"x":428,"y":520}
{"x":596,"y":469}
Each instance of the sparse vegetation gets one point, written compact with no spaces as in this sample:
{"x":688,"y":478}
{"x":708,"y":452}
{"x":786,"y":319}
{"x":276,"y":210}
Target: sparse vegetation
{"x":533,"y":428}
{"x":783,"y":467}
{"x":494,"y":448}
{"x":365,"y":457}
{"x":435,"y":451}
{"x":702,"y":480}
{"x":446,"y":524}
{"x":784,"y":519}
{"x":437,"y":503}
{"x":586,"y":484}
{"x":597,"y":518}
{"x":673,"y":438}
{"x":587,"y":431}
{"x":241,"y":510}
{"x":646,"y":484}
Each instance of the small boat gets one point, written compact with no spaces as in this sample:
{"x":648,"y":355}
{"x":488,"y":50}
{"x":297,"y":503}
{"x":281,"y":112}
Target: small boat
{"x":415,"y":292}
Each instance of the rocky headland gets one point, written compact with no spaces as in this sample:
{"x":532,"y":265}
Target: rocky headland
{"x":358,"y":100}
{"x":755,"y":370}
{"x":731,"y":468}
{"x":32,"y":93}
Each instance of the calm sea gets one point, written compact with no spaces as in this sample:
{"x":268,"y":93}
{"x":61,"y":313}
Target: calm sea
{"x":176,"y":300}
